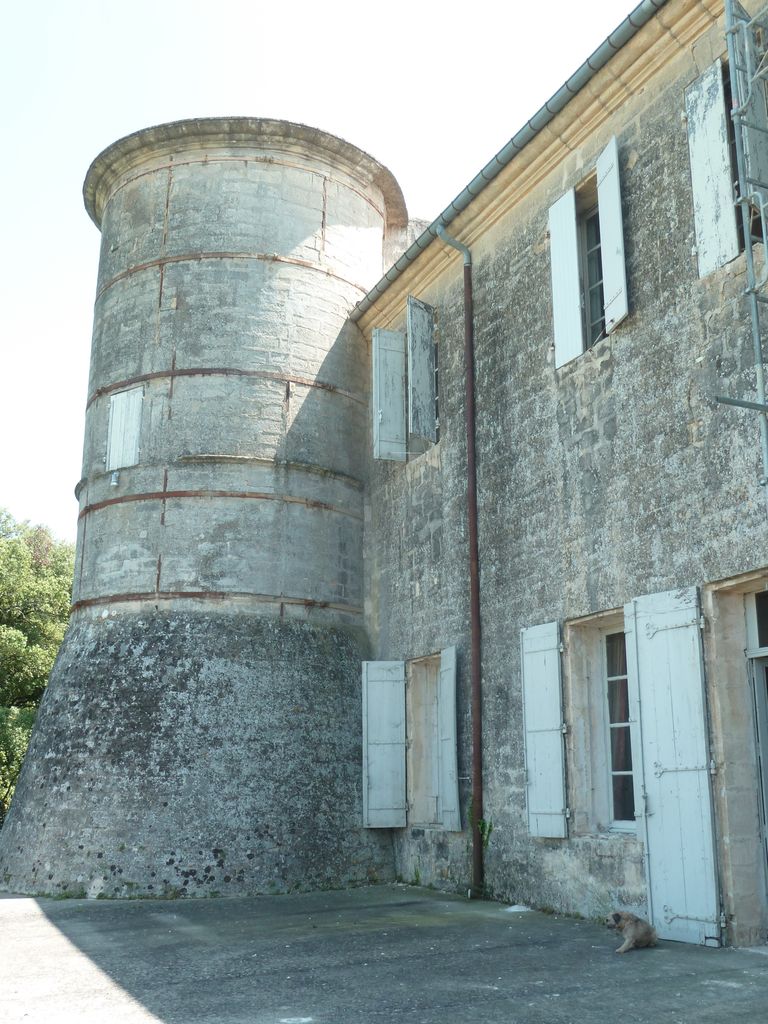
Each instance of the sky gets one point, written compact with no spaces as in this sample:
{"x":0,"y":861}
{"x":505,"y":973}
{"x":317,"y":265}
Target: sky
{"x":431,"y":90}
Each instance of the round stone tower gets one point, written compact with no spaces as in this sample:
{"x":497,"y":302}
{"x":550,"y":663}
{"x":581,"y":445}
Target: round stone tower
{"x":201,"y":730}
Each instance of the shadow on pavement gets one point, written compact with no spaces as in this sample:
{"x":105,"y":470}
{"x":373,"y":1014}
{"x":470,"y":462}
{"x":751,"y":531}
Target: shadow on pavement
{"x":376,"y":954}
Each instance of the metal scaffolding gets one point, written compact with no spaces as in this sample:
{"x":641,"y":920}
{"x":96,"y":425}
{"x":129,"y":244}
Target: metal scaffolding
{"x":747,"y":39}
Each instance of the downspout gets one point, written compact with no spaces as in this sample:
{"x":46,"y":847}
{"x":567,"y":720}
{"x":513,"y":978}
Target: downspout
{"x":476,"y":703}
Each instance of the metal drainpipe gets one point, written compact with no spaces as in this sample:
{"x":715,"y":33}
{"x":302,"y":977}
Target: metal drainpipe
{"x":474,"y":569}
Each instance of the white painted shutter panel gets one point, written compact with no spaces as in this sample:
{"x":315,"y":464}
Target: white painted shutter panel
{"x":384,"y":744}
{"x":389,"y":395}
{"x":124,"y":428}
{"x":712,"y":177}
{"x":543,"y":714}
{"x":611,"y":236}
{"x":751,"y":93}
{"x":566,"y":287}
{"x":422,"y":421}
{"x":664,"y":661}
{"x":448,"y":812}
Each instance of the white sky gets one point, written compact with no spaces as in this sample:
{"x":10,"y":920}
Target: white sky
{"x":430,"y":89}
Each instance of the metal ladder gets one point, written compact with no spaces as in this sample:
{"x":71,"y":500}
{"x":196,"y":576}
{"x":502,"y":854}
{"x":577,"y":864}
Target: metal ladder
{"x":747,"y":39}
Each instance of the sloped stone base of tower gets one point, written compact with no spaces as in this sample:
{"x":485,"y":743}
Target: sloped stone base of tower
{"x":195,"y":754}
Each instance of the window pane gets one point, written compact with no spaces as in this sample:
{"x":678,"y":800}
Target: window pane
{"x":593,"y":231}
{"x":623,"y":798}
{"x":595,"y":304}
{"x":621,"y":749}
{"x":616,"y":650}
{"x":594,"y":268}
{"x":618,"y":701}
{"x":761,"y":604}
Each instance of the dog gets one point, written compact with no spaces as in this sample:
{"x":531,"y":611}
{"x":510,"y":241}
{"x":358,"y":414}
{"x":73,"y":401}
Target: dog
{"x":637,"y":933}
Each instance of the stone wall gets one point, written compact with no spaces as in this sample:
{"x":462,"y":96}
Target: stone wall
{"x":615,"y":476}
{"x":215,"y":754}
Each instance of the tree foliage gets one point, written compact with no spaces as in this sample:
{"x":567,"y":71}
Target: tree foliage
{"x":35,"y":585}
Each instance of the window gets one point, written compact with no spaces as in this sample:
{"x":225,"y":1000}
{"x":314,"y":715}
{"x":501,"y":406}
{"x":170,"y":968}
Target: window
{"x":589,"y":287}
{"x":712,"y":150}
{"x":405,"y":378}
{"x":410,"y":771}
{"x":594,"y":310}
{"x":638,"y":746}
{"x":603,"y":713}
{"x":761,"y":614}
{"x":124,"y":429}
{"x":756,"y":608}
{"x":619,"y":730}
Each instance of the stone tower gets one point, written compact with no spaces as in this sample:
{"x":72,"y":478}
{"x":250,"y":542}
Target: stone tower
{"x":200,"y":732}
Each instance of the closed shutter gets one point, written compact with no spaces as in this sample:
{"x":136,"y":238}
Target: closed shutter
{"x":124,"y":428}
{"x":384,"y":804}
{"x":664,"y":661}
{"x":712,"y":176}
{"x":611,"y":236}
{"x":448,"y":776}
{"x":389,"y":440}
{"x":543,"y":714}
{"x":566,"y":287}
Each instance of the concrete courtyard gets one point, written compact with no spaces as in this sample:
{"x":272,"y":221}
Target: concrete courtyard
{"x":376,"y":954}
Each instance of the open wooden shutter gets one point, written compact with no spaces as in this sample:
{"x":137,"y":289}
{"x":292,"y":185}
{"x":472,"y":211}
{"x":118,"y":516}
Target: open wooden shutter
{"x":566,"y":287}
{"x":712,"y":176}
{"x":422,"y":421}
{"x":389,"y":440}
{"x":448,"y":811}
{"x":543,"y":713}
{"x":384,"y":800}
{"x":664,"y":662}
{"x":124,"y":428}
{"x":611,"y":236}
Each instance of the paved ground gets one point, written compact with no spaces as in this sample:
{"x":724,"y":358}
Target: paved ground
{"x":379,"y":954}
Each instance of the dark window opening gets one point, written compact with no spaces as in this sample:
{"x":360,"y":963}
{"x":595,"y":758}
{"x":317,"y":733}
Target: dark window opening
{"x":594,"y":305}
{"x":761,"y":606}
{"x":623,"y":791}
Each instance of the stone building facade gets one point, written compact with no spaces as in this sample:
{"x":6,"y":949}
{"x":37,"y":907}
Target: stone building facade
{"x":622,"y":541}
{"x":621,"y":521}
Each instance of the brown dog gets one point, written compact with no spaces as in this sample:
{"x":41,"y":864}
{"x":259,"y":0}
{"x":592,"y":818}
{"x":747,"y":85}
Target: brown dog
{"x":637,"y":932}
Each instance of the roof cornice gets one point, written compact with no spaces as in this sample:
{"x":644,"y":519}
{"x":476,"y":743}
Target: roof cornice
{"x":652,"y":35}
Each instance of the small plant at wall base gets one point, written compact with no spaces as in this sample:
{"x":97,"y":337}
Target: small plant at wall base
{"x":35,"y":586}
{"x":485,"y":828}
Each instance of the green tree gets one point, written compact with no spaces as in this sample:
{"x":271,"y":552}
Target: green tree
{"x":35,"y":586}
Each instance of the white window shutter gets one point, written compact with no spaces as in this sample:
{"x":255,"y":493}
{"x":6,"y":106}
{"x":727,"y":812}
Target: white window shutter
{"x":448,"y":811}
{"x":712,"y":177}
{"x":566,"y":286}
{"x":752,"y":94}
{"x":384,"y":800}
{"x":673,"y":798}
{"x":422,"y":421}
{"x":124,"y":428}
{"x":543,"y":714}
{"x":611,"y":236}
{"x":389,"y":441}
